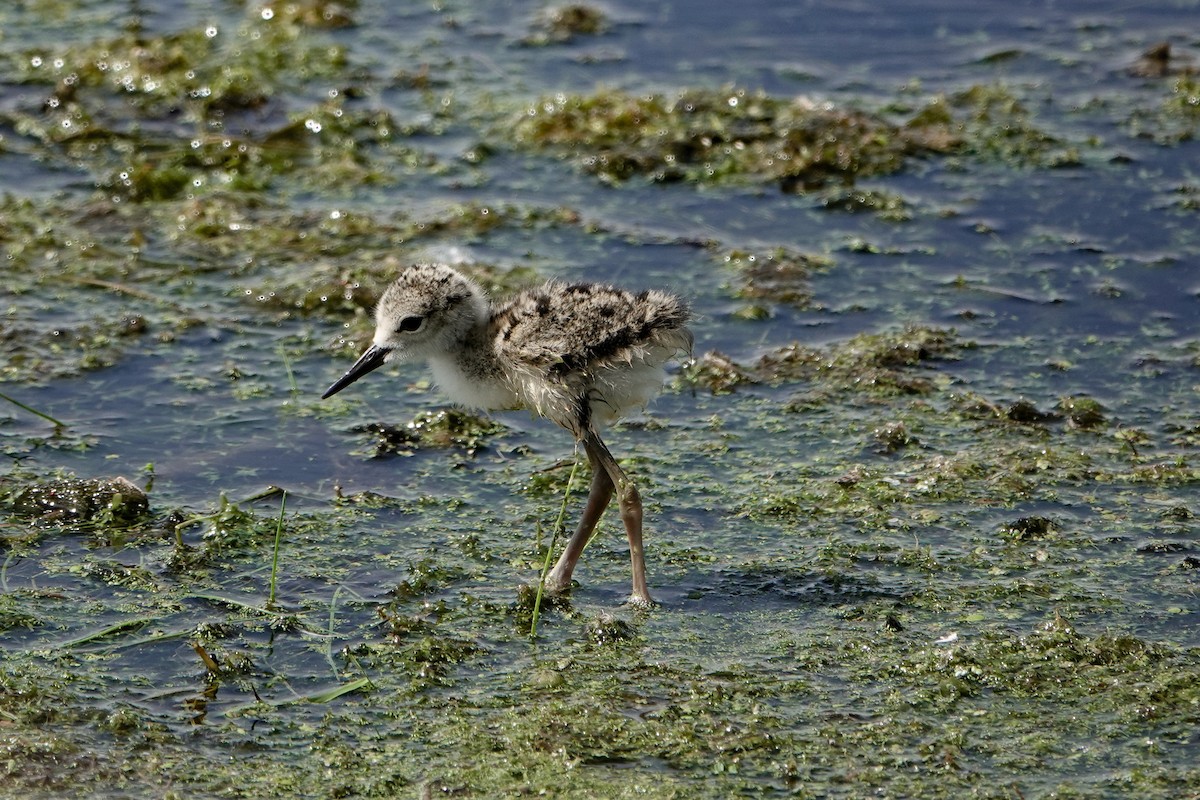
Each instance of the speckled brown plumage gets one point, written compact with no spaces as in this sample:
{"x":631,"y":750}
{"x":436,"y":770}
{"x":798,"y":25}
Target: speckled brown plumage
{"x":587,"y":353}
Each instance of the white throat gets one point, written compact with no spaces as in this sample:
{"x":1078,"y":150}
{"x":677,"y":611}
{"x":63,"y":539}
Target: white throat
{"x":471,"y":390}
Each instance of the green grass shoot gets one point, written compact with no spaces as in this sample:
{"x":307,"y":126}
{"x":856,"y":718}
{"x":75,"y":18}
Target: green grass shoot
{"x":275,"y":555}
{"x":57,"y":422}
{"x":558,"y":526}
{"x":287,"y":366}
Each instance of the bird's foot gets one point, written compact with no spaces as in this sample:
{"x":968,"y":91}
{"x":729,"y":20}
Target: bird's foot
{"x":556,"y":585}
{"x":641,"y":601}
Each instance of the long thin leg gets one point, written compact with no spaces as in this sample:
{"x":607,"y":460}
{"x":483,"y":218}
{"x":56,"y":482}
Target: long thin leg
{"x":559,"y":579}
{"x":631,"y":513}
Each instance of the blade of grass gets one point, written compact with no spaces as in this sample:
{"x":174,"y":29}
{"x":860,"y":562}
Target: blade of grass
{"x":121,"y":288}
{"x":4,"y":571}
{"x":275,"y":556}
{"x":230,"y":602}
{"x":558,"y":526}
{"x":57,"y":422}
{"x":287,"y":366}
{"x":110,"y":630}
{"x":336,"y":692}
{"x":326,"y":696}
{"x":331,"y":635}
{"x":155,"y":639}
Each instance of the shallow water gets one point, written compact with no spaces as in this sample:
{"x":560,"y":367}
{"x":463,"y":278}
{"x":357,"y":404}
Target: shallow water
{"x":850,"y":601}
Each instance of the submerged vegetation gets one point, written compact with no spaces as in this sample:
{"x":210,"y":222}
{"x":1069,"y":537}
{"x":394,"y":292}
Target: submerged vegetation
{"x":905,"y":545}
{"x":876,"y":363}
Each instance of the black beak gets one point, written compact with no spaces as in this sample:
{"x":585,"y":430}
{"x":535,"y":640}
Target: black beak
{"x":372,"y":359}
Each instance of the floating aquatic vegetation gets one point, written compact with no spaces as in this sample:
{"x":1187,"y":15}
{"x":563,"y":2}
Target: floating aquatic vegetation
{"x":990,"y":122}
{"x":561,"y":24}
{"x":1026,"y":528}
{"x":311,"y":13}
{"x":778,"y":276}
{"x":32,"y":355}
{"x":854,"y":200}
{"x":707,"y":136}
{"x":431,"y":429}
{"x":878,"y":363}
{"x":104,"y":501}
{"x":1176,"y":118}
{"x":892,"y":437}
{"x":1083,"y":412}
{"x":1021,"y":411}
{"x":204,"y":72}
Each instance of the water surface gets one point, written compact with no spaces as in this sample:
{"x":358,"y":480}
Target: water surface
{"x":877,"y":574}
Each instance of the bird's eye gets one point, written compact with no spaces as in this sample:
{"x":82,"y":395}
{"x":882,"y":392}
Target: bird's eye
{"x":409,"y":324}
